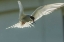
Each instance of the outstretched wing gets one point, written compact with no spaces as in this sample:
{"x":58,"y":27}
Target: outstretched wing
{"x":45,"y":10}
{"x":21,"y":14}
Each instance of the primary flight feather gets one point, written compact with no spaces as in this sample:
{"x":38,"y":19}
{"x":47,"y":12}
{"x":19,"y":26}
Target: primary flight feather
{"x":27,"y":20}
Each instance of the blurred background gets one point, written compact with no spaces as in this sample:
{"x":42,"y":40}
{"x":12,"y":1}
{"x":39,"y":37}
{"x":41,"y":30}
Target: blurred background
{"x":47,"y":29}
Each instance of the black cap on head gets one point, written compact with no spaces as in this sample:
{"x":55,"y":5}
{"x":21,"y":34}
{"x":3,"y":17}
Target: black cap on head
{"x":32,"y":18}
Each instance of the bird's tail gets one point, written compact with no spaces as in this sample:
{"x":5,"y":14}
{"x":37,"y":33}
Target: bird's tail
{"x":14,"y":26}
{"x":19,"y":25}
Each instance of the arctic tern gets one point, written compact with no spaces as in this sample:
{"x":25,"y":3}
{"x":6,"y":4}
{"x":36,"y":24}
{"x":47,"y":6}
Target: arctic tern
{"x":28,"y":20}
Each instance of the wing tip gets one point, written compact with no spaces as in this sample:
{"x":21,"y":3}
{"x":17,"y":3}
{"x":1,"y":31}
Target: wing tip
{"x":18,"y":1}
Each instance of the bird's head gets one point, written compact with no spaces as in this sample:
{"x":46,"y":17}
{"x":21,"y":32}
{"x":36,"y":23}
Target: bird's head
{"x":32,"y":18}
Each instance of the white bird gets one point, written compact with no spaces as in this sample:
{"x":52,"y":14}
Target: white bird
{"x":27,"y":20}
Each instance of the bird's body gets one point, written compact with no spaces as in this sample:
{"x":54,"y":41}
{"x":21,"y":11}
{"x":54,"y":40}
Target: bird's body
{"x":27,"y":20}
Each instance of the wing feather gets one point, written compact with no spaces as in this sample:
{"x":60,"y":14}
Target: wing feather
{"x":45,"y":10}
{"x":21,"y":14}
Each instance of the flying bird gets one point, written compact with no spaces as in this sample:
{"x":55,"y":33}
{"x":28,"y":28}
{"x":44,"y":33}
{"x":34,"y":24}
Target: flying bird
{"x":28,"y":20}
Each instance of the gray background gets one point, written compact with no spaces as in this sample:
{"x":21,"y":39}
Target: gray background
{"x":47,"y":29}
